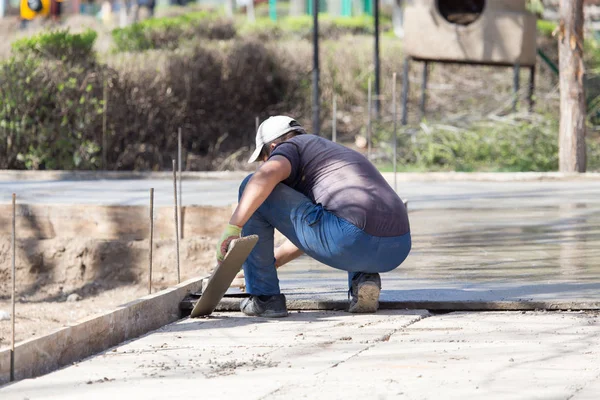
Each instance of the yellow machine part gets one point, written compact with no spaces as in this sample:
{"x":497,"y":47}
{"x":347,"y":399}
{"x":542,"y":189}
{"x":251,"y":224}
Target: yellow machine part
{"x":28,"y":14}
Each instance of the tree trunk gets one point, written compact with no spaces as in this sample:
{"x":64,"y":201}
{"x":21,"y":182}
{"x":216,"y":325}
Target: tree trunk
{"x":572,"y":156}
{"x":297,"y":7}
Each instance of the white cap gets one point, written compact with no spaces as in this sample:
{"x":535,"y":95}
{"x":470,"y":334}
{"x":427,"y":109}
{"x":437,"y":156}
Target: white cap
{"x":271,"y":129}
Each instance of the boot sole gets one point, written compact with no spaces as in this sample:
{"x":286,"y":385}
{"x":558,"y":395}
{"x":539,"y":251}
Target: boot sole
{"x":368,"y":298}
{"x":268,"y":314}
{"x":278,"y":314}
{"x":265,"y":314}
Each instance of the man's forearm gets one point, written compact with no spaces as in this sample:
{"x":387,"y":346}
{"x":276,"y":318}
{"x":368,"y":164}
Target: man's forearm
{"x":285,"y":253}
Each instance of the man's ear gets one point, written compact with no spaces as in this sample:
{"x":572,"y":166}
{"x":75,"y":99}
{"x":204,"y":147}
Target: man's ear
{"x":272,"y":147}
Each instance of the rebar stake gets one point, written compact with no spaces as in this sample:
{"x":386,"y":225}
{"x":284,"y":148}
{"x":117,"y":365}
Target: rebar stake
{"x":176,"y":219}
{"x":151,"y":240}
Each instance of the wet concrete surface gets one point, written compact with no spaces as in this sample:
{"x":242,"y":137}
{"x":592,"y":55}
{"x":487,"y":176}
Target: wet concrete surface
{"x":421,"y":195}
{"x":485,"y":242}
{"x":124,"y":192}
{"x":472,"y":241}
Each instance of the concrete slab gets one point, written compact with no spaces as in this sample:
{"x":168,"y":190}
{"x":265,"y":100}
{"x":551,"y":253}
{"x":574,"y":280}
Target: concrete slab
{"x":92,"y":335}
{"x":124,"y":192}
{"x":422,"y":190}
{"x":470,"y":356}
{"x":224,"y":356}
{"x":395,"y":354}
{"x":514,"y":249}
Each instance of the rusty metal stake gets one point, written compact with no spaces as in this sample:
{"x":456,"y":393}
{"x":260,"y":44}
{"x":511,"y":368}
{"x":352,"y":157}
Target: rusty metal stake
{"x":370,"y":102}
{"x":176,"y":219}
{"x":151,"y":240}
{"x":14,"y":275}
{"x":180,"y":187}
{"x":104,"y":123}
{"x":334,"y":121}
{"x":395,"y":132}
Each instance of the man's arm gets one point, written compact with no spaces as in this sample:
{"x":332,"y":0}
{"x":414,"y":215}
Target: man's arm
{"x":259,"y":187}
{"x":285,"y":253}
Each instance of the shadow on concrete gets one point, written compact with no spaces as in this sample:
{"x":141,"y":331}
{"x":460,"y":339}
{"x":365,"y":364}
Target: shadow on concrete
{"x":308,"y":316}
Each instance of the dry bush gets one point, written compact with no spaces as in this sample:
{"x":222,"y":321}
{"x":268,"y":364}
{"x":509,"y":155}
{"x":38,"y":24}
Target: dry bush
{"x":214,"y":89}
{"x":213,"y":96}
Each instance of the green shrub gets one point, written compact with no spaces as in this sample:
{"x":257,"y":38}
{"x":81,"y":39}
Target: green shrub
{"x":50,"y":114}
{"x":512,"y":145}
{"x":302,"y":26}
{"x":131,"y":38}
{"x":535,"y":6}
{"x":593,"y":153}
{"x":59,"y":45}
{"x":166,"y":33}
{"x":546,"y":28}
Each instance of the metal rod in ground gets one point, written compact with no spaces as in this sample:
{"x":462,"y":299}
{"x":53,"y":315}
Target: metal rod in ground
{"x":151,"y":240}
{"x":257,"y":123}
{"x":424,"y":88}
{"x":516,"y":86}
{"x":334,"y":121}
{"x":104,"y":123}
{"x":377,"y":68}
{"x":316,"y":105}
{"x":369,"y":104}
{"x":405,"y":84}
{"x":176,"y":223}
{"x":14,"y":278}
{"x":531,"y":88}
{"x":180,"y":198}
{"x":395,"y":131}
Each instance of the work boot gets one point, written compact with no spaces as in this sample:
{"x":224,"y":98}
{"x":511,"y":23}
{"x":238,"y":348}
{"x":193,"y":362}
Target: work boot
{"x":265,"y":306}
{"x":365,"y":293}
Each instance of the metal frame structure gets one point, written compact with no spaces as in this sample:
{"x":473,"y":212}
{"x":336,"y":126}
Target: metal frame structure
{"x":425,"y":78}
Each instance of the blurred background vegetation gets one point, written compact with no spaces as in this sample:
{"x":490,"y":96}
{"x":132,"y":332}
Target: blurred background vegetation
{"x":193,"y":68}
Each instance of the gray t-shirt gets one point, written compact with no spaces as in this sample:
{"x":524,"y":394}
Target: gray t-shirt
{"x":345,"y":183}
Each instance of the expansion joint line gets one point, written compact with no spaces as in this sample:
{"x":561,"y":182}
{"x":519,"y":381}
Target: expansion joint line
{"x":386,"y":337}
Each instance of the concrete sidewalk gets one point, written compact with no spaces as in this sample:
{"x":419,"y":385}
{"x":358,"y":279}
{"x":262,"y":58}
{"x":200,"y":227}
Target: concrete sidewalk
{"x":331,"y":355}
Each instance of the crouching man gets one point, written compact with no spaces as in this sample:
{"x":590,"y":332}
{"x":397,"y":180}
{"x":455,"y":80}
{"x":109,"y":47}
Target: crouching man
{"x":329,"y":202}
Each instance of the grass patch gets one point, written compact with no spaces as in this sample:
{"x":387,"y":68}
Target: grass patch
{"x":516,"y":144}
{"x":546,"y":28}
{"x":168,"y":32}
{"x":58,"y":45}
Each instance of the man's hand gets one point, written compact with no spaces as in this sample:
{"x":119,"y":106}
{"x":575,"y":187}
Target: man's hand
{"x":231,"y":233}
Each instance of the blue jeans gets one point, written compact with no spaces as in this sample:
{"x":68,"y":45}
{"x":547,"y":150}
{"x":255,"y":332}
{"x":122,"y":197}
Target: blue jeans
{"x":319,"y":234}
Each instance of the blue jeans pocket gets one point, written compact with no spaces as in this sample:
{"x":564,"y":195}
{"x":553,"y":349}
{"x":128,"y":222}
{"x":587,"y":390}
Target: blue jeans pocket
{"x":314,"y":216}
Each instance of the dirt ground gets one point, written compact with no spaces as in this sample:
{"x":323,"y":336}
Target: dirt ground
{"x":103,"y":274}
{"x":36,"y":318}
